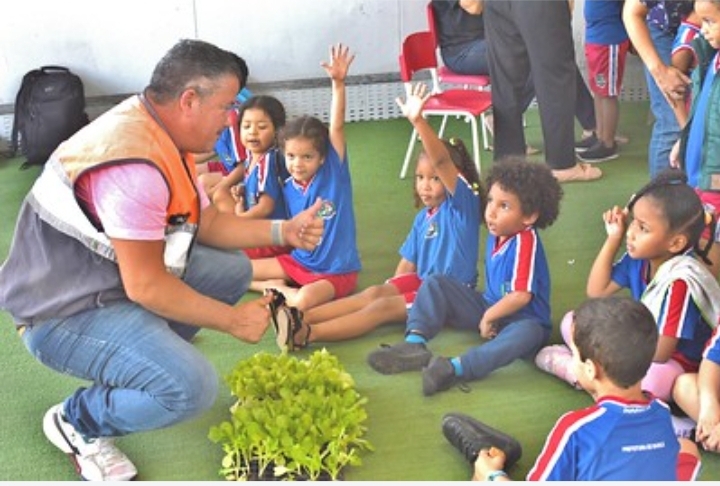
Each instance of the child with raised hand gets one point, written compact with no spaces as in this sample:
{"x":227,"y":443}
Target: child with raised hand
{"x":316,"y":158}
{"x":512,"y":314}
{"x":443,"y":240}
{"x":626,"y":435}
{"x":660,"y":269}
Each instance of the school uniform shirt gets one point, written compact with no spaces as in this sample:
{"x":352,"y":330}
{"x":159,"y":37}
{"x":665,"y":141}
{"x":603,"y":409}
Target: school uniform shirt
{"x":267,"y":176}
{"x":445,"y":241}
{"x":519,"y":264}
{"x":679,"y":316}
{"x":667,"y":15}
{"x":337,"y":253}
{"x":612,"y":440}
{"x":712,"y":350}
{"x":694,"y":157}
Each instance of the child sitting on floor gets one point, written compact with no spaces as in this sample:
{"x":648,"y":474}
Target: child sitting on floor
{"x":512,"y":315}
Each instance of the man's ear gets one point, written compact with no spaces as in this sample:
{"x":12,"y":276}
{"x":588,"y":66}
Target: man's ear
{"x":188,"y":98}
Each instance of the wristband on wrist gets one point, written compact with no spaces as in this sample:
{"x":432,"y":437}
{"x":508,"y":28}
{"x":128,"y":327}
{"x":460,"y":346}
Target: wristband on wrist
{"x":276,"y":234}
{"x":496,"y":474}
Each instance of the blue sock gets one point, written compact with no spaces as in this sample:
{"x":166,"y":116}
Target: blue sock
{"x":457,"y":366}
{"x":415,"y":338}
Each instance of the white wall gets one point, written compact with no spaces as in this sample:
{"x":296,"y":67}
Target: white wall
{"x":114,"y":45}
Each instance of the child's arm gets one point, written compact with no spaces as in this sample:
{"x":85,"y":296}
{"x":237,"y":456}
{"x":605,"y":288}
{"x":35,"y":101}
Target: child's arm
{"x":600,"y":283}
{"x":337,"y":69}
{"x":509,"y":304}
{"x":434,"y":147}
{"x":708,"y":423}
{"x":222,"y":196}
{"x":405,"y":266}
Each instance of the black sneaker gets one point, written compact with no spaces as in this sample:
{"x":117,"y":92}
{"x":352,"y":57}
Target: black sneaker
{"x":585,"y":143}
{"x":438,"y":376}
{"x":599,"y":153}
{"x":400,"y":357}
{"x":470,"y":436}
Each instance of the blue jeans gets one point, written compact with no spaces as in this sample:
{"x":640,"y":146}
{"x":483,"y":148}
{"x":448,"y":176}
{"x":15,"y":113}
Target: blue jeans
{"x":145,"y":373}
{"x":444,"y":301}
{"x":468,"y":58}
{"x":666,"y":129}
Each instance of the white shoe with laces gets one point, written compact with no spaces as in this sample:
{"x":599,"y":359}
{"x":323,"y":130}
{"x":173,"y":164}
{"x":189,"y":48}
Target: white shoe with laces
{"x":94,"y":459}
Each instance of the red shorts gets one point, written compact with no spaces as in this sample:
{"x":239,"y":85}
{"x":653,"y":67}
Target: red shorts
{"x":711,"y":202}
{"x":344,"y":283}
{"x":217,"y":166}
{"x":408,"y":285}
{"x":267,"y":251}
{"x":688,"y":467}
{"x":606,"y":66}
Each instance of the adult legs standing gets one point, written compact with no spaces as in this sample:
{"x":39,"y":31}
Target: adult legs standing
{"x":666,"y":129}
{"x":535,"y":37}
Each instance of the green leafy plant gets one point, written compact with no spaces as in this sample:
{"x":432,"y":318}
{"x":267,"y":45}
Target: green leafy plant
{"x":293,"y":419}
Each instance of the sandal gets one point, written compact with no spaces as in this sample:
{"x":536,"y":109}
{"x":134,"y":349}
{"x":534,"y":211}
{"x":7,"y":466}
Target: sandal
{"x":290,"y":325}
{"x":276,"y":303}
{"x":578,"y":173}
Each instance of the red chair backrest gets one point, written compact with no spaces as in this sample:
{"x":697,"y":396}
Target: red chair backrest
{"x":416,"y":54}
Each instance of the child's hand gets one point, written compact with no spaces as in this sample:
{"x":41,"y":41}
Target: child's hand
{"x":488,"y":460}
{"x":675,"y":155}
{"x":340,"y":60}
{"x":416,"y":99}
{"x":615,"y":221}
{"x":488,"y":330}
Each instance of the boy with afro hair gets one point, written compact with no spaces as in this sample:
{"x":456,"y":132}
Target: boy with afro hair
{"x":512,"y":314}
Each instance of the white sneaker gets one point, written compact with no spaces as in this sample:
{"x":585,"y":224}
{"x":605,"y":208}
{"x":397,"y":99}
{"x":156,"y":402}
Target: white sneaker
{"x":94,"y":459}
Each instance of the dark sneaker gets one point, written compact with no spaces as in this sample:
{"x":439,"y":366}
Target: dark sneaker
{"x":599,"y":153}
{"x":469,"y":436}
{"x":438,"y":376}
{"x":585,"y":143}
{"x":400,"y":357}
{"x":94,"y":459}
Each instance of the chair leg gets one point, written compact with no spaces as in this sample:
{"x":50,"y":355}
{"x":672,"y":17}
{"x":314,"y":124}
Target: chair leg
{"x":408,"y":154}
{"x":442,"y":126}
{"x":483,"y":120}
{"x":476,"y":143}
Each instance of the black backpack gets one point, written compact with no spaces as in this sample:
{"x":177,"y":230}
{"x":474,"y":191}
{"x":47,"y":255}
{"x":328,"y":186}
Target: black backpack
{"x":49,"y":108}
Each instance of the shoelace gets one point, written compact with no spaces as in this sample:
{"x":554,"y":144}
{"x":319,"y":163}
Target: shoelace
{"x":106,"y":455}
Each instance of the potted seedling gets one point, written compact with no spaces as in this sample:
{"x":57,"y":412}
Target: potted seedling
{"x":292,"y":419}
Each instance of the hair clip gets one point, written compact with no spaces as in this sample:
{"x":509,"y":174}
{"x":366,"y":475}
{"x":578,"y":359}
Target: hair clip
{"x":454,"y":141}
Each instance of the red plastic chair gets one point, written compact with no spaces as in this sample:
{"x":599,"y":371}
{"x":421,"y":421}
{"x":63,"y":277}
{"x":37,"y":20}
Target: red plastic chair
{"x":448,"y":76}
{"x":417,"y":54}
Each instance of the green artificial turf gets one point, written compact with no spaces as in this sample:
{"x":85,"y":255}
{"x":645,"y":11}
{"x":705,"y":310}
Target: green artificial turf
{"x":403,"y":425}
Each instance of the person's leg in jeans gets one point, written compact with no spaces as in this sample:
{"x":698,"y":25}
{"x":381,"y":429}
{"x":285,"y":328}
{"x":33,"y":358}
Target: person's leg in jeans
{"x":443,"y":300}
{"x":519,"y":339}
{"x":143,"y":374}
{"x":470,"y":58}
{"x":666,"y":129}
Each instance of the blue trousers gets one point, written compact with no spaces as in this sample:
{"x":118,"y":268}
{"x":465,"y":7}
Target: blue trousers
{"x":144,"y":372}
{"x":442,"y":301}
{"x":666,"y":129}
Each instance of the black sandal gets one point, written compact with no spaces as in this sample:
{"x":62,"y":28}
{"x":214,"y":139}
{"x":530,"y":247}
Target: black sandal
{"x":276,"y":303}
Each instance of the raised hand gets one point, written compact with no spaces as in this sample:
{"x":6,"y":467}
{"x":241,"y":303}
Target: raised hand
{"x":340,"y":60}
{"x":615,"y":221}
{"x":416,"y":99}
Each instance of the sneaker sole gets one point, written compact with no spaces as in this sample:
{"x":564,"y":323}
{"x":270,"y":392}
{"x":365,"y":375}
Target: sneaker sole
{"x":597,"y":161}
{"x":54,"y":433}
{"x":389,"y":364}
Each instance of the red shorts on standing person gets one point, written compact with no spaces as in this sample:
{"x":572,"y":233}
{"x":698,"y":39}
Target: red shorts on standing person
{"x":606,"y":66}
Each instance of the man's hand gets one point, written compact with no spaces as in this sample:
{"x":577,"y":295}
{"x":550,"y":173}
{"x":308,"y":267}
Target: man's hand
{"x":306,"y":229}
{"x":251,"y":320}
